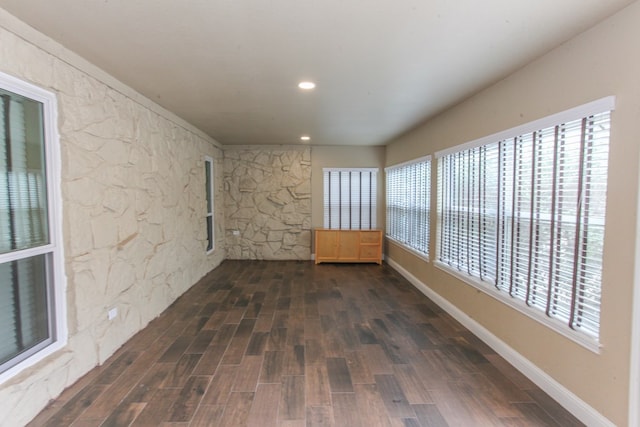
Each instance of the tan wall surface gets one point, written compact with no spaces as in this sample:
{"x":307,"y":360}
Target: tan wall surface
{"x":344,"y":157}
{"x":602,"y":61}
{"x":133,"y":189}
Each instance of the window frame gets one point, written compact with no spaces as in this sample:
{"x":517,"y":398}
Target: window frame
{"x":328,"y":206}
{"x":56,"y":276}
{"x":210,"y":204}
{"x":560,"y":326}
{"x":427,"y":199}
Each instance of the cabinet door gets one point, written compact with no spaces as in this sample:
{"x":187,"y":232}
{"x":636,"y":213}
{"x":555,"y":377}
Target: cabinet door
{"x":326,"y":245}
{"x":372,"y":236}
{"x":371,"y":246}
{"x":349,"y":247}
{"x":370,"y":253}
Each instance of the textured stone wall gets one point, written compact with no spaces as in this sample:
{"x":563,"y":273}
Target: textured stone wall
{"x":133,"y":204}
{"x":267,"y":201}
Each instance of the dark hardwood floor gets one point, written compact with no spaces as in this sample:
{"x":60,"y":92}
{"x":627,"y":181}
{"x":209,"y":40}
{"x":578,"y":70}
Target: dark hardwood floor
{"x":261,"y":343}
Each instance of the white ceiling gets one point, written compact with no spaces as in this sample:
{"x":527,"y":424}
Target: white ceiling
{"x":231,"y":67}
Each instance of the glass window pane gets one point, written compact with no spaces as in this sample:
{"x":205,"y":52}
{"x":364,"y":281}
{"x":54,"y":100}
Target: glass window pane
{"x":349,"y":199}
{"x":408,"y":198}
{"x":23,"y":191}
{"x":23,"y":306}
{"x":531,"y":209}
{"x":209,"y":233}
{"x":207,"y":171}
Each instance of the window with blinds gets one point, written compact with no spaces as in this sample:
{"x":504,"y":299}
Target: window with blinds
{"x":28,"y":254}
{"x":408,"y":204}
{"x":350,"y":198}
{"x":525,"y":214}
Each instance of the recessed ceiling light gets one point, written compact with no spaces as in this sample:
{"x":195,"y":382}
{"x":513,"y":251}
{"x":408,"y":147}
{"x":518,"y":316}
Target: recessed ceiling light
{"x":305,"y":138}
{"x":306,"y":85}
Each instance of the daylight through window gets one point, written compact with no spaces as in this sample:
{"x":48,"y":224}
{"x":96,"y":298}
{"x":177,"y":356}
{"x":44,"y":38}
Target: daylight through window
{"x":350,"y":198}
{"x":408,"y":204}
{"x":28,"y":253}
{"x":526,"y":215}
{"x":208,"y":170}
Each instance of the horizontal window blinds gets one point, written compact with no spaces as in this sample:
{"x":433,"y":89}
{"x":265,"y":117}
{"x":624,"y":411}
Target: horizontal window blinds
{"x":22,"y":183}
{"x":25,"y":315}
{"x":408,"y":204}
{"x":23,"y":306}
{"x":350,"y":198}
{"x":526,"y":215}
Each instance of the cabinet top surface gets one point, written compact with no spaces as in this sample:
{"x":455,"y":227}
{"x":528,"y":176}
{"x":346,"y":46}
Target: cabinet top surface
{"x":355,"y":229}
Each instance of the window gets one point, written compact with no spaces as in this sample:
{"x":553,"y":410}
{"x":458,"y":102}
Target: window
{"x":408,"y":204}
{"x":31,"y":278}
{"x":524,"y":214}
{"x":208,"y":170}
{"x":350,"y":198}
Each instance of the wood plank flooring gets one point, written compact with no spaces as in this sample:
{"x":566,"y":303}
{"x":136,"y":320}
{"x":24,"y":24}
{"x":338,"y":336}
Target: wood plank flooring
{"x":291,"y":344}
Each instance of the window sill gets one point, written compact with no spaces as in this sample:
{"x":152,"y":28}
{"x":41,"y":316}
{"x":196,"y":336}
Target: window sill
{"x":561,"y":328}
{"x":30,"y":361}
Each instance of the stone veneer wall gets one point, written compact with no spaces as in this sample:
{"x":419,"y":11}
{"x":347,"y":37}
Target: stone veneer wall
{"x":133,"y":189}
{"x":267,"y":201}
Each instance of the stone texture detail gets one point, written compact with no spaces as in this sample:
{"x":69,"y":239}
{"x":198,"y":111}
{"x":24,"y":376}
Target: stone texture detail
{"x":267,"y":198}
{"x":134,"y":229}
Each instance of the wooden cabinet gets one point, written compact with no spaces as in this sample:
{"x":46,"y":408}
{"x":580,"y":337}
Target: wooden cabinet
{"x":348,"y":245}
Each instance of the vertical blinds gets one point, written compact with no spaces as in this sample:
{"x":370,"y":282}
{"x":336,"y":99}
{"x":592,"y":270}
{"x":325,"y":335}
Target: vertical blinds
{"x":408,"y":204}
{"x":350,"y":198}
{"x":527,"y":214}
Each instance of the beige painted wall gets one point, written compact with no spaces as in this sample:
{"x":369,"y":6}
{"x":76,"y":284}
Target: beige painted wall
{"x":344,"y":157}
{"x":133,"y":189}
{"x":602,"y":61}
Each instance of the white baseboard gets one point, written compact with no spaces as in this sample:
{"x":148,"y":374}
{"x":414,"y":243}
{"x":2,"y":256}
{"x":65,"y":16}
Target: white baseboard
{"x":579,"y":408}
